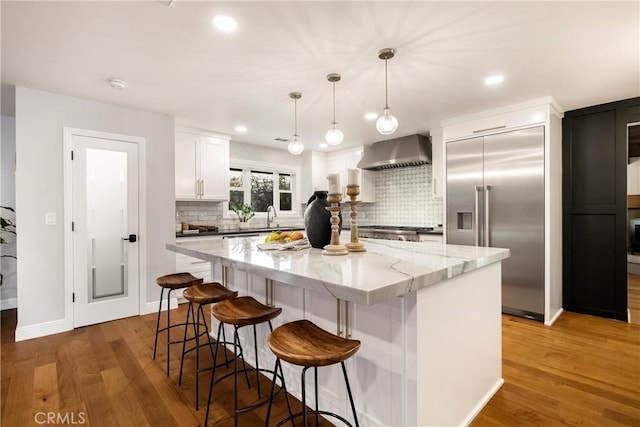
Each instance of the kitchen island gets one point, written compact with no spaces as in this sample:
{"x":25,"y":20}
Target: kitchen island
{"x":428,"y":316}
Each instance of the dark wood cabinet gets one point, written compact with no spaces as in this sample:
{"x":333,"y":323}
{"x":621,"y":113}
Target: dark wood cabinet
{"x":595,"y":154}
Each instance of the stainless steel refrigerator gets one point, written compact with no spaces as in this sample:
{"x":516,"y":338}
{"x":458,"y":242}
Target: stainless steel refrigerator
{"x":495,"y":197}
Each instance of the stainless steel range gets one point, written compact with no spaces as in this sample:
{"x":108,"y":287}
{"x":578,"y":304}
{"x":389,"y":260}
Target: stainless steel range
{"x":407,"y":234}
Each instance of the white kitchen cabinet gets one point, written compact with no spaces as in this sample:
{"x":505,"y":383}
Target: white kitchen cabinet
{"x":437,"y":164}
{"x":340,"y":161}
{"x":202,"y":166}
{"x":313,"y":174}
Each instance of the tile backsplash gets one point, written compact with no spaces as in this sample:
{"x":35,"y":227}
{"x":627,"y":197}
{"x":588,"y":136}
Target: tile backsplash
{"x":211,"y":213}
{"x":403,"y":197}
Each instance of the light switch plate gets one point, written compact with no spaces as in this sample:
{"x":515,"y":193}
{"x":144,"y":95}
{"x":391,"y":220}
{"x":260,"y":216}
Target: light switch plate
{"x":49,"y":218}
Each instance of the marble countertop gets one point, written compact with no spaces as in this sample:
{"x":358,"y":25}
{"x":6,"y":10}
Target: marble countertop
{"x":388,"y":269}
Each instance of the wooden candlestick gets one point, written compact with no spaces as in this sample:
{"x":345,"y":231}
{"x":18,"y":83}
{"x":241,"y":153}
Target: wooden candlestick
{"x":334,"y":247}
{"x":354,"y":245}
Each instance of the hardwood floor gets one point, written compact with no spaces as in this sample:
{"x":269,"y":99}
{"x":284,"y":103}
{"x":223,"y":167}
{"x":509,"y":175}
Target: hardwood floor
{"x":633,"y":295}
{"x":582,"y":371}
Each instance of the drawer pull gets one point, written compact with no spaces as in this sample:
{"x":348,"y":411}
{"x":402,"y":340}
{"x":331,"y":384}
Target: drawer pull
{"x":199,"y":262}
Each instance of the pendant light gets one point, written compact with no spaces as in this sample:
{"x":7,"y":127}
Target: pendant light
{"x":295,"y":147}
{"x":386,"y":123}
{"x":334,"y":135}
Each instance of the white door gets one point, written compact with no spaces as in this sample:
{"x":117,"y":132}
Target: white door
{"x":105,"y":229}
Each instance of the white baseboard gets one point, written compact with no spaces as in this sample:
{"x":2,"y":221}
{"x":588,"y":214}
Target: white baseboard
{"x":42,"y":329}
{"x":8,"y":303}
{"x":57,"y":326}
{"x":555,"y":317}
{"x":481,"y":404}
{"x":152,"y":307}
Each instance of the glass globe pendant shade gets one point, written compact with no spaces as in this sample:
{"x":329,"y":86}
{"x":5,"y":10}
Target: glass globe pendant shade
{"x":295,"y":147}
{"x":334,"y":136}
{"x":386,"y":123}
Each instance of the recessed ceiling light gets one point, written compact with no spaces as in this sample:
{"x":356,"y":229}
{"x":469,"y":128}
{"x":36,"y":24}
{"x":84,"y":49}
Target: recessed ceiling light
{"x":323,"y":145}
{"x":371,"y":116}
{"x":494,"y":80}
{"x":241,"y":129}
{"x":225,"y":23}
{"x":117,"y":83}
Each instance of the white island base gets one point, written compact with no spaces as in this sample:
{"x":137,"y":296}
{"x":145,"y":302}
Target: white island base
{"x":429,"y":358}
{"x":431,"y":355}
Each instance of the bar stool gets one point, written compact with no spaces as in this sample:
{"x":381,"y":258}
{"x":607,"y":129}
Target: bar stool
{"x":304,"y":344}
{"x":171,"y":282}
{"x":239,"y":312}
{"x":202,"y":295}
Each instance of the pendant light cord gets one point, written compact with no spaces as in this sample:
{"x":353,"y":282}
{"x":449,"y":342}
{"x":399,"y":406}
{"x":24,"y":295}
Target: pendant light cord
{"x":295,"y":118}
{"x":334,"y":106}
{"x":386,"y":87}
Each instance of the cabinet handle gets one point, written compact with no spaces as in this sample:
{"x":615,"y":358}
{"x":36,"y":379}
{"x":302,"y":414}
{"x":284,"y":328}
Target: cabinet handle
{"x":476,"y":223}
{"x":487,"y":210}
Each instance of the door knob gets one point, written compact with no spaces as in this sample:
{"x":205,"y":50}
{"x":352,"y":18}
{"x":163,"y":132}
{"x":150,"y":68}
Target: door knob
{"x":132,"y":238}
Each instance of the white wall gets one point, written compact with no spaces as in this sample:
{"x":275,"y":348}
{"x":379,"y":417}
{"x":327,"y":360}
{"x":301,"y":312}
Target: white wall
{"x":256,"y":153}
{"x":40,"y":118}
{"x":8,"y":292}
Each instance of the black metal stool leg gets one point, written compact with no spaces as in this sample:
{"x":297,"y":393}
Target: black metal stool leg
{"x":353,"y":406}
{"x":315,"y":374}
{"x":168,"y":330}
{"x":255,"y":348}
{"x":304,"y":396}
{"x":155,"y":344}
{"x":184,"y":342}
{"x":213,"y":373}
{"x":236,"y":342}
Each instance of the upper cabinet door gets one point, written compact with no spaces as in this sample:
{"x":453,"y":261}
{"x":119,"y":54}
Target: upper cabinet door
{"x":214,"y":169}
{"x":202,"y":167}
{"x":186,"y":166}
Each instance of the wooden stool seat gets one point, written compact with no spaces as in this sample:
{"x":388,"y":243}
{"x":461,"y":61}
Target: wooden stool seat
{"x":244,"y":311}
{"x":202,"y":295}
{"x":208,"y":293}
{"x":177,"y":280}
{"x":305,"y":344}
{"x":171,"y":282}
{"x":239,"y":312}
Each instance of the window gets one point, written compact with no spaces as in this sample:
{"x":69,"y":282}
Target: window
{"x":236,"y":190}
{"x":262,"y":186}
{"x":284,"y":189}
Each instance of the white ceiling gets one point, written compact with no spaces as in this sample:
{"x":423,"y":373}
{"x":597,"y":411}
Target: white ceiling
{"x":174,"y":62}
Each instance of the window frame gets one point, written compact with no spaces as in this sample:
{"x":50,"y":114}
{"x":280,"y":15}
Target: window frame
{"x":246,"y":167}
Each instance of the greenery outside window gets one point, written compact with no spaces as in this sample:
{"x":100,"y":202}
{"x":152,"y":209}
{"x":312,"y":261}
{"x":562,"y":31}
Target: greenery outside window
{"x":236,"y":189}
{"x":262,"y":185}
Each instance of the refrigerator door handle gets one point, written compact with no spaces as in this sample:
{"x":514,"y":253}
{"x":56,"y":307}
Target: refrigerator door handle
{"x":476,"y":212}
{"x":487,"y":234}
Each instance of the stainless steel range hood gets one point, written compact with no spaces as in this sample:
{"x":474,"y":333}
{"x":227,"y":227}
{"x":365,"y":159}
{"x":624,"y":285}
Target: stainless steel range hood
{"x":412,"y":150}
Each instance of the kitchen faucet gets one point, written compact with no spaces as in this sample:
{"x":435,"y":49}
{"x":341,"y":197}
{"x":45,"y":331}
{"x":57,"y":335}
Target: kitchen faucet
{"x":275,"y":214}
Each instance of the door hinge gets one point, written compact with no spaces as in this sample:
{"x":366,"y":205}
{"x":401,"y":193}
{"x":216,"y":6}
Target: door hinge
{"x":73,"y":297}
{"x":73,"y":226}
{"x":71,"y":154}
